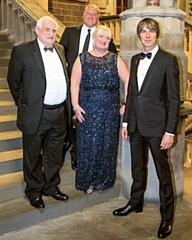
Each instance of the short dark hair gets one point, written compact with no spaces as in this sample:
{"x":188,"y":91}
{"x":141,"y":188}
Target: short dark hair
{"x":150,"y":24}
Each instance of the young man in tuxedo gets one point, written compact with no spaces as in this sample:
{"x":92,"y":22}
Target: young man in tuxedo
{"x":150,"y":121}
{"x":39,"y":84}
{"x":73,"y":40}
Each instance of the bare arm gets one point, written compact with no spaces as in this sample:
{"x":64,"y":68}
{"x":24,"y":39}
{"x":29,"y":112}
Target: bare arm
{"x":123,"y":73}
{"x":75,"y":85}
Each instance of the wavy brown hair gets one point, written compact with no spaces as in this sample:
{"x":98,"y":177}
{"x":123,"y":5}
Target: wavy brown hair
{"x":150,"y":24}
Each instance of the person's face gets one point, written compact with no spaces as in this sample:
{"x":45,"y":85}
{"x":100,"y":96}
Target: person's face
{"x":153,"y":3}
{"x":47,"y":32}
{"x":148,"y":38}
{"x":90,"y":17}
{"x":102,"y":40}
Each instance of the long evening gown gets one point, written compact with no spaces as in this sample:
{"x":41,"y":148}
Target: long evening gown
{"x":97,"y":136}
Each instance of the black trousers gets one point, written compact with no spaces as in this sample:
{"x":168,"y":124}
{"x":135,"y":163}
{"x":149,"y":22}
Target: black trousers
{"x":42,"y":153}
{"x":139,"y":154}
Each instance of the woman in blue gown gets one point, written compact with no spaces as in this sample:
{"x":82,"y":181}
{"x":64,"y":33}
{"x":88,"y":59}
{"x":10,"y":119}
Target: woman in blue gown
{"x":96,"y":102}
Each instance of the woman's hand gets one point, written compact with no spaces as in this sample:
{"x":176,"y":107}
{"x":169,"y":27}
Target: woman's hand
{"x":122,"y":110}
{"x":79,"y":114}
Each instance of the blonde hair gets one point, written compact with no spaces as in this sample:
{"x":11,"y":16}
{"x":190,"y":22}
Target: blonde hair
{"x":102,"y":28}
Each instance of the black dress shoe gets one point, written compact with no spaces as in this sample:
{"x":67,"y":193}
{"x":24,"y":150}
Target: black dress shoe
{"x":127,"y":209}
{"x":37,"y":202}
{"x":165,"y":229}
{"x":58,"y":195}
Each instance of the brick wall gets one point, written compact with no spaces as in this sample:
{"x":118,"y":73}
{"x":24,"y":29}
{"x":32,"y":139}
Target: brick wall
{"x":68,"y":12}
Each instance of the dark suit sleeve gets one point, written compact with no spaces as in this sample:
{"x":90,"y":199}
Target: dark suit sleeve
{"x":132,"y":66}
{"x":15,"y":74}
{"x":64,"y":39}
{"x":173,"y":94}
{"x":112,"y":47}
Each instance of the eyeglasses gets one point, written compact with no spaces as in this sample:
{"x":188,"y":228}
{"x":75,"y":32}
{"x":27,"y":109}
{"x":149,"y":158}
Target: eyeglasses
{"x":91,"y":14}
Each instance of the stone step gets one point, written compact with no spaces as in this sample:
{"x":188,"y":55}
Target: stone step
{"x":7,"y":108}
{"x":11,"y":161}
{"x":6,"y":53}
{"x":18,"y":213}
{"x":5,"y":45}
{"x":5,"y":95}
{"x":3,"y":83}
{"x":8,"y":123}
{"x":3,"y":37}
{"x":10,"y":140}
{"x":12,"y":184}
{"x":4,"y":61}
{"x":3,"y":72}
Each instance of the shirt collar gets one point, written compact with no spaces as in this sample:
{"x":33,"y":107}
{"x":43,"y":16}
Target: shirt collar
{"x":41,"y":45}
{"x":154,"y":51}
{"x":85,"y":28}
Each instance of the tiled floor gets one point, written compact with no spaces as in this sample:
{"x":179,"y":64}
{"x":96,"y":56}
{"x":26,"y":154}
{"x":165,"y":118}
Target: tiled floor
{"x":98,"y":223}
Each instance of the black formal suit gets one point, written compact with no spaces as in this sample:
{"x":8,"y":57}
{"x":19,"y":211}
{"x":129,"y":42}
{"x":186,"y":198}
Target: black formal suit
{"x":70,"y":40}
{"x":27,"y":81}
{"x":150,"y":113}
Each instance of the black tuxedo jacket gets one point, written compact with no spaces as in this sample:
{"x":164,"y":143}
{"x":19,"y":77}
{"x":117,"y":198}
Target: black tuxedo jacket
{"x":27,"y":82}
{"x":154,"y":109}
{"x":70,"y":40}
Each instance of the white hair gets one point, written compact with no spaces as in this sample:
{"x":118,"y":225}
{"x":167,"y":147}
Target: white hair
{"x":40,"y":21}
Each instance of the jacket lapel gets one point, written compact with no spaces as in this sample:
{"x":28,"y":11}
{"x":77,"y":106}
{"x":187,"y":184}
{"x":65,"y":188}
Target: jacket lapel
{"x":77,"y":37}
{"x":135,"y":69}
{"x":150,"y":70}
{"x":61,"y":56}
{"x":38,"y":58}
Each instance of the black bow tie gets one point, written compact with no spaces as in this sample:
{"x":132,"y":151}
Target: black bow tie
{"x":143,"y":55}
{"x":48,"y":49}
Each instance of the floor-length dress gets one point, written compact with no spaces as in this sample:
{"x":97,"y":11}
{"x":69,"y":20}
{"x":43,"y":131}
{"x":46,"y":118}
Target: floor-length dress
{"x":97,"y":136}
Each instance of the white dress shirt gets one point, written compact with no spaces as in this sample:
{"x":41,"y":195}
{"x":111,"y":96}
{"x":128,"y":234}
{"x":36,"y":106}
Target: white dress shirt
{"x":83,"y":37}
{"x":56,"y":87}
{"x":143,"y":67}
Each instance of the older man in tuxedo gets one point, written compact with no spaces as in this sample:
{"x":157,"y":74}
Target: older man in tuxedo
{"x":39,"y":84}
{"x":150,"y":120}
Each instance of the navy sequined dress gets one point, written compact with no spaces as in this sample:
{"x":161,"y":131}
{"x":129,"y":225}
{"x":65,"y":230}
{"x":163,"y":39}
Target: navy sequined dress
{"x":97,"y":136}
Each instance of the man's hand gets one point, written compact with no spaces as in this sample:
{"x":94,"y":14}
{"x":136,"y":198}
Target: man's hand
{"x":124,"y":133}
{"x":167,"y":141}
